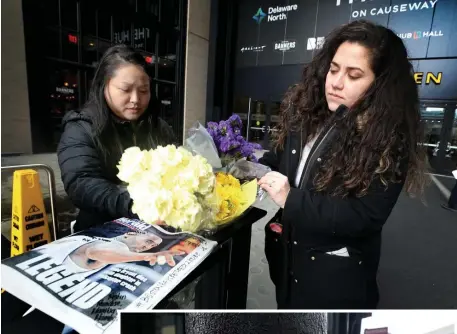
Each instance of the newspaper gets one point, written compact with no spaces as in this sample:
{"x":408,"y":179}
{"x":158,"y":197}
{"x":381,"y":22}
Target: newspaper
{"x":83,"y":280}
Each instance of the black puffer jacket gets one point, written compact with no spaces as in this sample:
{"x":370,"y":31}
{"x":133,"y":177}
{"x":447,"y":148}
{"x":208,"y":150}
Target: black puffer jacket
{"x":89,"y":179}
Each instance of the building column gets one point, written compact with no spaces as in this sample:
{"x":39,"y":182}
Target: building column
{"x":16,"y":128}
{"x":196,"y":65}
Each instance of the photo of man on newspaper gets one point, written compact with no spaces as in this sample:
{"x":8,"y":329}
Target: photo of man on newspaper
{"x":83,"y":253}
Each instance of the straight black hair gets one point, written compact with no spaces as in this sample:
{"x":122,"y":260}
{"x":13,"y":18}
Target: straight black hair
{"x":103,"y":120}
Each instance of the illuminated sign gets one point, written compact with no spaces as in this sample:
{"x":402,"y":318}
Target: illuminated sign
{"x":73,"y":39}
{"x":430,"y":77}
{"x":65,"y":90}
{"x":420,"y":34}
{"x":315,"y":43}
{"x":284,"y":46}
{"x":253,"y":48}
{"x":277,"y":13}
{"x":384,"y":10}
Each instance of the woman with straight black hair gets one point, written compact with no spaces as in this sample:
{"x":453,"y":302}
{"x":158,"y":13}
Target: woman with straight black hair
{"x":119,"y":114}
{"x":347,"y":144}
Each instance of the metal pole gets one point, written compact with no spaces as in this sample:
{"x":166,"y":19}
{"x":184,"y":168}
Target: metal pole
{"x":248,"y":125}
{"x":51,"y":183}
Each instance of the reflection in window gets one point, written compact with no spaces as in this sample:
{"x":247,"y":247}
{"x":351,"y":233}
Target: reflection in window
{"x":63,"y":93}
{"x":151,"y":38}
{"x":102,"y":47}
{"x":167,"y":70}
{"x":141,"y":35}
{"x":121,"y":31}
{"x":166,"y":96}
{"x":89,"y":50}
{"x":167,"y":45}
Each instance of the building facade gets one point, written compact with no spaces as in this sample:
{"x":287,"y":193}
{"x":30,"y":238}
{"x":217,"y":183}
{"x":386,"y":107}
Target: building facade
{"x":275,"y":40}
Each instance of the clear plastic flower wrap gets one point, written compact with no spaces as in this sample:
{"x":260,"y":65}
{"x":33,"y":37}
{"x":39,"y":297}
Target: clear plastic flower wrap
{"x":200,"y":142}
{"x":248,"y":170}
{"x":236,"y":179}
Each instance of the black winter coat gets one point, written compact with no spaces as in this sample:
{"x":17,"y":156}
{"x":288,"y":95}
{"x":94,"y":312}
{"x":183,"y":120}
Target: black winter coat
{"x":305,"y":276}
{"x":89,"y":179}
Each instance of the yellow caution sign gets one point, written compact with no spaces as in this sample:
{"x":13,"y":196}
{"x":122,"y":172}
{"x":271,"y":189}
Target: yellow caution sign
{"x":30,"y":223}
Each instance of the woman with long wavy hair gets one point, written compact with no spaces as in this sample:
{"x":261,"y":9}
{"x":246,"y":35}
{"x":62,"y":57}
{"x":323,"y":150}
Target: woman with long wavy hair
{"x":346,"y":145}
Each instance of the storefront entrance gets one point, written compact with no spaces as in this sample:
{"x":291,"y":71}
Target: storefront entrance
{"x":440,"y":135}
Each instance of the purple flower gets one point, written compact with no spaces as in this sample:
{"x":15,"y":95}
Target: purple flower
{"x":224,"y":128}
{"x":227,"y":144}
{"x":212,"y":125}
{"x":235,"y":122}
{"x":230,"y":143}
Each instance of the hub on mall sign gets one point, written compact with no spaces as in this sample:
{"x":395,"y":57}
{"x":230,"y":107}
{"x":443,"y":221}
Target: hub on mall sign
{"x":273,"y":14}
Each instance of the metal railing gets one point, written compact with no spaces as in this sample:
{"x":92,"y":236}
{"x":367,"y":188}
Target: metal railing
{"x":51,"y":183}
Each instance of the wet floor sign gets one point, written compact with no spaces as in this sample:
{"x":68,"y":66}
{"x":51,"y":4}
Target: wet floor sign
{"x":29,"y":222}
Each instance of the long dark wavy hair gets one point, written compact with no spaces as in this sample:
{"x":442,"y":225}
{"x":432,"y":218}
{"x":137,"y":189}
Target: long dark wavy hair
{"x":380,"y":129}
{"x":103,"y":120}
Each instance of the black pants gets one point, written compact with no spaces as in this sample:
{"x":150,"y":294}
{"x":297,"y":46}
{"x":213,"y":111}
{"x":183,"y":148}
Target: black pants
{"x":453,"y":199}
{"x":36,"y":322}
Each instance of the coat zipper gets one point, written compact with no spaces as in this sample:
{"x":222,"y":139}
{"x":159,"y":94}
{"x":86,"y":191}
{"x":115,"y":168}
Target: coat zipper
{"x":305,"y":171}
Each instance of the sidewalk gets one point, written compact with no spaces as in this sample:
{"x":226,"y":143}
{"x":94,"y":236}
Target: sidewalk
{"x":64,"y":209}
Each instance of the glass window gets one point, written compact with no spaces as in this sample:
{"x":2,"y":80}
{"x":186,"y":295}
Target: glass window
{"x":122,"y":31}
{"x":169,"y":12}
{"x":49,"y":11}
{"x":150,"y":60}
{"x":149,"y":7}
{"x":140,"y":35}
{"x":70,"y":42}
{"x":104,"y":25}
{"x":63,"y":93}
{"x":88,"y":18}
{"x":89,"y":50}
{"x":167,"y":45}
{"x":69,"y":14}
{"x":166,"y":97}
{"x":103,"y":45}
{"x":167,"y":70}
{"x":151,"y":38}
{"x":52,"y":43}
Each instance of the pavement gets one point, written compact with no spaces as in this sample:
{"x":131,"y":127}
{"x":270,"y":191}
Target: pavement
{"x":418,"y":269}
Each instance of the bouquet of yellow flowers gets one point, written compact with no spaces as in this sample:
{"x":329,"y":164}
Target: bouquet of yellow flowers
{"x":171,"y":184}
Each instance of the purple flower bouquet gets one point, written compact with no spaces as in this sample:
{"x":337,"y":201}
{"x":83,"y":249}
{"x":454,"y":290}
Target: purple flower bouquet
{"x":230,"y":144}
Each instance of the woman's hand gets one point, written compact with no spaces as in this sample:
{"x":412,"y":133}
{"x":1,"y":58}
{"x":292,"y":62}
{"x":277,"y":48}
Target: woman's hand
{"x":277,"y":186}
